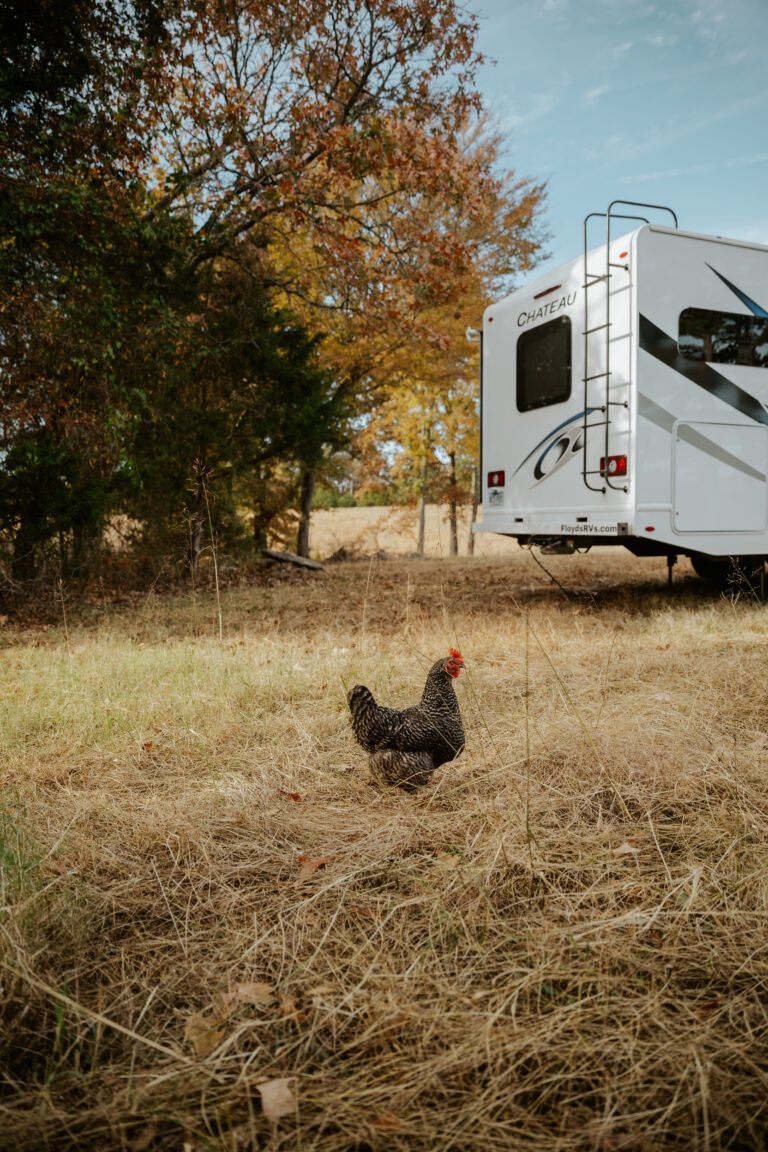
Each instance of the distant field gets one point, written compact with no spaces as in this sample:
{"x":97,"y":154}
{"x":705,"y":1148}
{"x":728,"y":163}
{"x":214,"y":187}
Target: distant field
{"x":215,"y":935}
{"x":394,"y":530}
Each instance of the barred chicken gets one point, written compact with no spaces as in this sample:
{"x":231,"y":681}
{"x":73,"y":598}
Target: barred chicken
{"x":405,"y":747}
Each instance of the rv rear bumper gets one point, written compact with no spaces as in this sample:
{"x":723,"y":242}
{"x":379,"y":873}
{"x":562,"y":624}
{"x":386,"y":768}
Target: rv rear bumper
{"x":566,"y":525}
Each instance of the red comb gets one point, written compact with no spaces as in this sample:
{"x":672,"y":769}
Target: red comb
{"x":455,"y":653}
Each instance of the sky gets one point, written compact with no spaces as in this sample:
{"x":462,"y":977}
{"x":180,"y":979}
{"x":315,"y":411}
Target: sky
{"x":630,"y":99}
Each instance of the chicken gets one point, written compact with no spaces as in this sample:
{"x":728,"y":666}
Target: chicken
{"x":406,"y":746}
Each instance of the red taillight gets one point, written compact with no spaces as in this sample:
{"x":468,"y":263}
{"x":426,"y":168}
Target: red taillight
{"x":617,"y":466}
{"x":496,"y":479}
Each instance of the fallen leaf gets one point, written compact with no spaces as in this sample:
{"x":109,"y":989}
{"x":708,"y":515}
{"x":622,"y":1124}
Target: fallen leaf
{"x":361,"y":911}
{"x":256,"y":993}
{"x":388,"y":1120}
{"x":310,"y":864}
{"x":204,"y":1034}
{"x":394,"y":1022}
{"x":447,"y":860}
{"x":624,"y":850}
{"x":289,"y":1008}
{"x":295,"y":796}
{"x":148,"y":746}
{"x":144,"y":1139}
{"x":277,"y":1098}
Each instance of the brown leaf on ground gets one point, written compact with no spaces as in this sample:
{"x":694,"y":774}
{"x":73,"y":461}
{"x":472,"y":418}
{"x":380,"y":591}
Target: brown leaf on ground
{"x":447,"y":860}
{"x":256,"y":993}
{"x":277,"y":1097}
{"x":310,"y":864}
{"x":144,"y":1139}
{"x":295,"y":796}
{"x":288,"y":1006}
{"x":388,"y":1120}
{"x":361,"y":911}
{"x":204,"y":1034}
{"x":625,"y":849}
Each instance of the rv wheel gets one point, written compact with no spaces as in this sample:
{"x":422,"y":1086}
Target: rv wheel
{"x":729,"y":572}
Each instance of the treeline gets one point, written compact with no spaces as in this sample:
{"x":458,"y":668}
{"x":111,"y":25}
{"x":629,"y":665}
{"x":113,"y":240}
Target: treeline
{"x":240,"y":245}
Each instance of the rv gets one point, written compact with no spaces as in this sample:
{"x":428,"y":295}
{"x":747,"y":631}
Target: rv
{"x":624,"y":398}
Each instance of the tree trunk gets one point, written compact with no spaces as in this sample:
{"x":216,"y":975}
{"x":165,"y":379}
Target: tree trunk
{"x":475,"y":502}
{"x":259,"y":534}
{"x":422,"y":507}
{"x":197,"y":521}
{"x":305,"y":511}
{"x":453,"y":537}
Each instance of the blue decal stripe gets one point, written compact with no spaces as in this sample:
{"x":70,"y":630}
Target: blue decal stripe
{"x":754,"y":308}
{"x":565,"y":423}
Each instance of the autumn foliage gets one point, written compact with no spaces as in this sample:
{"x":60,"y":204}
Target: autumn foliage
{"x":228,"y":228}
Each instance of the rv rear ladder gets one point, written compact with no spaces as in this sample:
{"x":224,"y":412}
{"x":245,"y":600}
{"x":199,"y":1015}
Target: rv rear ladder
{"x":591,"y":280}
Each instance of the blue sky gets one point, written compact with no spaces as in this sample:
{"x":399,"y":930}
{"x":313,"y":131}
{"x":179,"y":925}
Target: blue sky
{"x":635,"y":100}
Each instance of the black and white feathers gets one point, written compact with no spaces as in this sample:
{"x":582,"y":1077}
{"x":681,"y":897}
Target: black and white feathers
{"x":405,"y":747}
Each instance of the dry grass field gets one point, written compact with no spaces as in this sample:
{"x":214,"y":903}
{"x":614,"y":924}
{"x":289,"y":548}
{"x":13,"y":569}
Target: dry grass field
{"x":215,"y":935}
{"x":394,"y":530}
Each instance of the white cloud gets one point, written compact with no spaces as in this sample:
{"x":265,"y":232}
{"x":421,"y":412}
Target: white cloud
{"x":696,"y":169}
{"x":663,"y":39}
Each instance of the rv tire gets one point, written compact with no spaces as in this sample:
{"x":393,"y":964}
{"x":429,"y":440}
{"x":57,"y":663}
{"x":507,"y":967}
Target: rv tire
{"x":728,"y":571}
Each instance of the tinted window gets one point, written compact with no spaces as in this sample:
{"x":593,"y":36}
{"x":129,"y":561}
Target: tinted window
{"x":723,"y":337}
{"x":544,"y":365}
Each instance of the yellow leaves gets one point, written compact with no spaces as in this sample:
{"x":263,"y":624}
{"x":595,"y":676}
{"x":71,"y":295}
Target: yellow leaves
{"x":204,"y":1033}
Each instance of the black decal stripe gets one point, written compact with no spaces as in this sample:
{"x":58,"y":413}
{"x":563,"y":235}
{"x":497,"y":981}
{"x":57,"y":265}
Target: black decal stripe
{"x":665,"y":349}
{"x":663,"y":419}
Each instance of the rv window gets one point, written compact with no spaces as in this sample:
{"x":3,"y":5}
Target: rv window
{"x":544,"y":365}
{"x":723,"y":337}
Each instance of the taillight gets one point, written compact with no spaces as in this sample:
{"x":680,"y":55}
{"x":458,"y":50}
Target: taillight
{"x":617,"y":466}
{"x":496,"y":479}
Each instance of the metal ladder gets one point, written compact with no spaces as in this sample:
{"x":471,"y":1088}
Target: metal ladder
{"x":606,"y":402}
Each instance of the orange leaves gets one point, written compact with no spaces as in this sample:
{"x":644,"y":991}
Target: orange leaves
{"x":389,"y":1121}
{"x":288,"y":1006}
{"x":295,"y":796}
{"x":310,"y":864}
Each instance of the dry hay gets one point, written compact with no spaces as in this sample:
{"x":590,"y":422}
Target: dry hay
{"x":217,"y":935}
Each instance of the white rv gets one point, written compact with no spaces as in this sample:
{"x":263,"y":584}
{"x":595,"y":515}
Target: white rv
{"x":624,"y":398}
